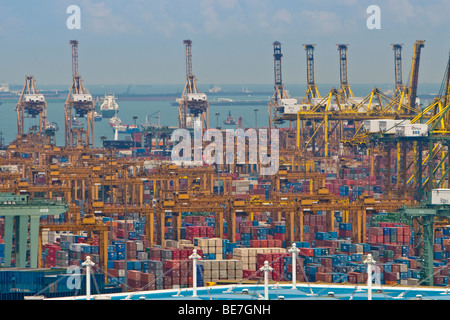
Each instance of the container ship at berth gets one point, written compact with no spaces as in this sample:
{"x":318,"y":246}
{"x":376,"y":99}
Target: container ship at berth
{"x":357,"y":207}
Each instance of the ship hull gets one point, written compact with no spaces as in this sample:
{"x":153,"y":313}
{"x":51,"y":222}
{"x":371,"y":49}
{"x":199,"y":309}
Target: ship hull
{"x":121,"y":144}
{"x":108,"y":113}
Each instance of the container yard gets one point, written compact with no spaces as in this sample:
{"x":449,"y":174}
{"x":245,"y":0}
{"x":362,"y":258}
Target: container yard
{"x":357,"y":208}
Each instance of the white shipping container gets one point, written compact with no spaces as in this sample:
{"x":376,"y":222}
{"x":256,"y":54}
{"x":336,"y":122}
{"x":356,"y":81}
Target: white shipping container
{"x":371,"y":125}
{"x":440,"y":196}
{"x":389,"y":126}
{"x":196,"y":97}
{"x":287,"y":102}
{"x":412,"y":130}
{"x":34,"y":98}
{"x":292,"y":109}
{"x":82,"y":97}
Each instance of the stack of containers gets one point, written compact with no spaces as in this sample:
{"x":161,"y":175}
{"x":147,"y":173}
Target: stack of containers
{"x":62,"y":258}
{"x":212,"y":248}
{"x":199,"y":231}
{"x":215,"y":270}
{"x":390,"y":233}
{"x":279,"y":233}
{"x":345,"y":230}
{"x":313,"y":223}
{"x":275,"y":261}
{"x":288,"y":269}
{"x":177,"y":273}
{"x":249,"y":259}
{"x":50,"y":254}
{"x":244,"y":231}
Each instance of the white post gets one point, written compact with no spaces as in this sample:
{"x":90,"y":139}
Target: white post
{"x":266,"y":268}
{"x":370,"y":262}
{"x":294,"y":250}
{"x":88,"y":264}
{"x":194,"y":256}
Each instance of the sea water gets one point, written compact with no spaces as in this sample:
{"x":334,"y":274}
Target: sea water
{"x":167,"y":111}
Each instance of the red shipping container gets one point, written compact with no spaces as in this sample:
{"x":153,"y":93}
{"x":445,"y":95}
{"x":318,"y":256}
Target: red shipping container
{"x":326,"y":262}
{"x":113,"y":273}
{"x":131,"y":245}
{"x":120,"y":233}
{"x":171,"y":264}
{"x":147,"y":277}
{"x":131,"y":254}
{"x":176,"y":254}
{"x":119,"y":264}
{"x":134,"y":275}
{"x":376,"y":231}
{"x":438,"y":280}
{"x":167,"y":282}
{"x":324,"y":277}
{"x":134,"y":284}
{"x":309,"y":252}
{"x":391,"y":276}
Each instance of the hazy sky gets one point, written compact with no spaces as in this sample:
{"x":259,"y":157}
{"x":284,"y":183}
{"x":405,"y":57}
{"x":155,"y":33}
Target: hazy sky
{"x":141,"y":41}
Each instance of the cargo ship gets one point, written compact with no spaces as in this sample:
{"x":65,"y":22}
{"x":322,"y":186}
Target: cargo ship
{"x":109,"y":107}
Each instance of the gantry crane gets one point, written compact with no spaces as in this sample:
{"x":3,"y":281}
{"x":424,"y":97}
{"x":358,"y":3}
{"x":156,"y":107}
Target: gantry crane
{"x":74,"y":223}
{"x":80,"y":101}
{"x":345,"y":90}
{"x":405,"y":100}
{"x":398,"y":69}
{"x":193,"y":104}
{"x":312,"y":91}
{"x":414,"y":76}
{"x":428,"y":174}
{"x":279,"y":93}
{"x":31,"y":104}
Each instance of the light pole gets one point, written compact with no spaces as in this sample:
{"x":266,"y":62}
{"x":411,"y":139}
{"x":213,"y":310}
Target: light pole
{"x":217,"y":120}
{"x":134,"y":137}
{"x":88,"y":264}
{"x":370,"y":263}
{"x":110,"y":194}
{"x":194,"y":257}
{"x":256,"y":118}
{"x":294,"y":250}
{"x":103,"y":138}
{"x":125,"y":167}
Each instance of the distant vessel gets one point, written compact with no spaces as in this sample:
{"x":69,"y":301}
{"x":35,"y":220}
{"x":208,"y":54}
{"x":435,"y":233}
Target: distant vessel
{"x":109,"y":106}
{"x":115,"y":120}
{"x":4,"y":87}
{"x":215,"y":89}
{"x":51,"y":126}
{"x":229,"y":120}
{"x":98,"y":116}
{"x":117,"y":124}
